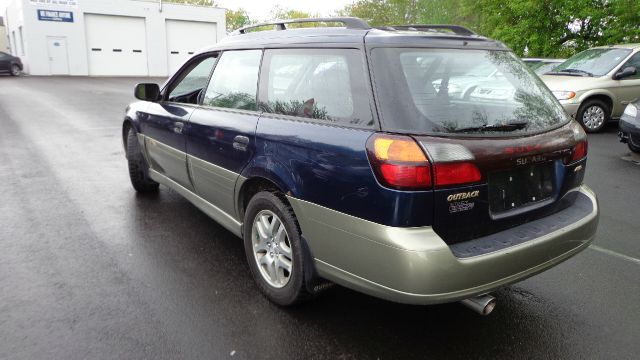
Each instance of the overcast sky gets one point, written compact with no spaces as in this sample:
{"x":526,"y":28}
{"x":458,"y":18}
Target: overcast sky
{"x":260,"y":9}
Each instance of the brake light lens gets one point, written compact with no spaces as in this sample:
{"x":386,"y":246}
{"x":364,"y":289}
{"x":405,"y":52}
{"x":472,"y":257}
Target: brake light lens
{"x":579,"y":151}
{"x":399,"y":162}
{"x":448,"y":174}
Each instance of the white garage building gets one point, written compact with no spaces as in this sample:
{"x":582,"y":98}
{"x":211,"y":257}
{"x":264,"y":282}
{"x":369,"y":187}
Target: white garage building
{"x":109,"y":37}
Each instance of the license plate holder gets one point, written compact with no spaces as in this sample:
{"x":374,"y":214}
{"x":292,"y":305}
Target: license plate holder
{"x":520,"y":187}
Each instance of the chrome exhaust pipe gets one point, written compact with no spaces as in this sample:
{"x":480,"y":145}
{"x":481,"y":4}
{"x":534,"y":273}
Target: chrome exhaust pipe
{"x":483,"y":304}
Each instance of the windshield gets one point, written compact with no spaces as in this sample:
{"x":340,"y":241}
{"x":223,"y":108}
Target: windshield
{"x":425,"y":91}
{"x":546,"y":67}
{"x":542,"y":67}
{"x":597,"y":62}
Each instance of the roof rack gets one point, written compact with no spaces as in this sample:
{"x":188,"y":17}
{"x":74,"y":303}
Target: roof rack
{"x":456,"y":29}
{"x":349,"y":23}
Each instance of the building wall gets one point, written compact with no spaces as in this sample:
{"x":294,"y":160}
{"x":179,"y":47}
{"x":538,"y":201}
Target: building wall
{"x":23,"y":14}
{"x":4,"y":46}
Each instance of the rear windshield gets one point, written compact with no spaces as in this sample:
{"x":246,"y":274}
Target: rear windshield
{"x":475,"y":92}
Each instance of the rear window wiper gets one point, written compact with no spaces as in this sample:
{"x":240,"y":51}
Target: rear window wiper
{"x":571,"y":71}
{"x":510,"y":126}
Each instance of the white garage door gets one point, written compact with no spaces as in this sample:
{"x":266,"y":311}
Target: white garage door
{"x":117,"y":45}
{"x":184,"y":38}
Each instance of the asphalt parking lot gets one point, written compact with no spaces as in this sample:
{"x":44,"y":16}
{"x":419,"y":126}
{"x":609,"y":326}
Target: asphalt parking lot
{"x":89,"y":269}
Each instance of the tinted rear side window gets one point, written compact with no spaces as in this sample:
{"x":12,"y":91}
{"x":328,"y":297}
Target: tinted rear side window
{"x":234,"y":83}
{"x":475,"y":92}
{"x":324,"y":84}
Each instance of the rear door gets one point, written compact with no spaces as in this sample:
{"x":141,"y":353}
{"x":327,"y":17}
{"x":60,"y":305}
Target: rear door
{"x":221,"y":134}
{"x":165,"y":121}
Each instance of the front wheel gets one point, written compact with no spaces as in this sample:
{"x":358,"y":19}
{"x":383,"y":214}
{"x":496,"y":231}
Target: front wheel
{"x":273,"y":247}
{"x":15,"y":70}
{"x":593,"y":115}
{"x":635,"y":149}
{"x":138,"y":168}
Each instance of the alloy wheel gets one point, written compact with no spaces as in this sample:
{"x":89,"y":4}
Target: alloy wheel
{"x":593,"y":117}
{"x":272,"y":249}
{"x":15,"y":70}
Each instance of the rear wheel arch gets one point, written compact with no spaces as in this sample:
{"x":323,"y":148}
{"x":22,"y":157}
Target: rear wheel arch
{"x":253,"y":186}
{"x":602,"y":97}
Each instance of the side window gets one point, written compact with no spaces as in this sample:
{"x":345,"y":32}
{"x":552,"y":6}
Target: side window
{"x":192,"y":81}
{"x":635,"y":62}
{"x":3,"y":56}
{"x":234,"y":84}
{"x":323,"y":84}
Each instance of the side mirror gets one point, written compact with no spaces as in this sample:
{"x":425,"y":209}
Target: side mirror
{"x":147,"y":92}
{"x":626,"y":72}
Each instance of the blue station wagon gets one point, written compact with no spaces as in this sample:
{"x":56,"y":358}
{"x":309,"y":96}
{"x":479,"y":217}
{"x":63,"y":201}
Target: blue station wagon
{"x":421,"y":164}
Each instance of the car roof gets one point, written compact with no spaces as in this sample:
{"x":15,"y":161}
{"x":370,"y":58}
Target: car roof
{"x":619,"y":46}
{"x":446,"y":36}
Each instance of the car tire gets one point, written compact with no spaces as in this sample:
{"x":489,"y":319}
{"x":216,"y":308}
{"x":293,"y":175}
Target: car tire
{"x":633,"y":148}
{"x":273,"y":243}
{"x":15,"y":70}
{"x":138,"y":167}
{"x":593,"y":115}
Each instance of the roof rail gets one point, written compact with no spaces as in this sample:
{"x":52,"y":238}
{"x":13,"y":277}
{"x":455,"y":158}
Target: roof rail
{"x":456,"y":29}
{"x":349,"y":23}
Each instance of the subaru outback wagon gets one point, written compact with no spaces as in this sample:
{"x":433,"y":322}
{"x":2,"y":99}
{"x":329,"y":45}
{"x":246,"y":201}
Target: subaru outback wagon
{"x":421,"y":164}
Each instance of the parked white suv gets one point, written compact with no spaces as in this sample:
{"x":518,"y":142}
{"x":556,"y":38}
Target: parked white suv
{"x":596,"y":85}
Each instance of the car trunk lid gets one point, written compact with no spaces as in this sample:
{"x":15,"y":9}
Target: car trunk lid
{"x":522,"y":179}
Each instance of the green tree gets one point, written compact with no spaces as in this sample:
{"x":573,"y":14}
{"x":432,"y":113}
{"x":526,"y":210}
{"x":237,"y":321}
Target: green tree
{"x":544,"y":28}
{"x":557,"y":28}
{"x":280,"y":13}
{"x":401,"y":12}
{"x":237,"y":19}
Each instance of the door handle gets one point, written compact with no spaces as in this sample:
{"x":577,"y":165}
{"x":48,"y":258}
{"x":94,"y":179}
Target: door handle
{"x":178,"y":127}
{"x":240,"y":143}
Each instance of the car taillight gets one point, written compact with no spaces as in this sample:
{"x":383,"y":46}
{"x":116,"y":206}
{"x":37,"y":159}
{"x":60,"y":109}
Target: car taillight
{"x":579,"y":151}
{"x":453,"y":164}
{"x":456,"y":173}
{"x":399,"y":162}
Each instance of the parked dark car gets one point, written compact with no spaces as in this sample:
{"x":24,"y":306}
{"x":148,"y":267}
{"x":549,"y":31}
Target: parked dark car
{"x":542,"y":66}
{"x":10,"y":64}
{"x":629,"y":125}
{"x":343,"y":155}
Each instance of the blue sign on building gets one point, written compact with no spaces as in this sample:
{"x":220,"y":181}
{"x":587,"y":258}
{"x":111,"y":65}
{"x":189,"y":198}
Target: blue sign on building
{"x":55,"y":15}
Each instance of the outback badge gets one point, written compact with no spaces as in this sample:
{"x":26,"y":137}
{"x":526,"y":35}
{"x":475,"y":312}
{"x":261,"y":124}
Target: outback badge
{"x":463,"y":196}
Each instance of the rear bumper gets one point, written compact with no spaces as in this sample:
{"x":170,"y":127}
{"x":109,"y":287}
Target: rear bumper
{"x":415,"y":266}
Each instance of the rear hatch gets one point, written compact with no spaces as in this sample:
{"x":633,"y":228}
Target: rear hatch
{"x":521,"y":179}
{"x":500,"y":148}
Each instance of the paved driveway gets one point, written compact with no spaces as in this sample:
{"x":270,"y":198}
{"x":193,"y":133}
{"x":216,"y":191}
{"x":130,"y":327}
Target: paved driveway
{"x":89,"y":269}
